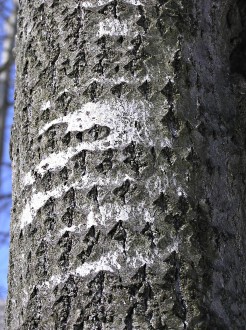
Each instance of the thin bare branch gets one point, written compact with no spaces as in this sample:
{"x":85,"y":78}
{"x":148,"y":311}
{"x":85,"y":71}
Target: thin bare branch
{"x":7,"y":59}
{"x":5,"y":196}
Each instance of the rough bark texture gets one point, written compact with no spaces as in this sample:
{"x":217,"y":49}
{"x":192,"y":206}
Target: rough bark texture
{"x":128,"y":155}
{"x":2,"y":309}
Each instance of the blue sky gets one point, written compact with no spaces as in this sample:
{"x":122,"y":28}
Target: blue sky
{"x":5,"y":219}
{"x":5,"y":174}
{"x":5,"y":211}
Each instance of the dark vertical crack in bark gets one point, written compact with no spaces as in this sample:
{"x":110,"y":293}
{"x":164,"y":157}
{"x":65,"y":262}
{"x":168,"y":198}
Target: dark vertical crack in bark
{"x":236,"y":19}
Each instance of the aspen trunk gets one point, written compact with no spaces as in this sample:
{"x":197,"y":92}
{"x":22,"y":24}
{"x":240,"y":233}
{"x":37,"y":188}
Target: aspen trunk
{"x":128,"y":151}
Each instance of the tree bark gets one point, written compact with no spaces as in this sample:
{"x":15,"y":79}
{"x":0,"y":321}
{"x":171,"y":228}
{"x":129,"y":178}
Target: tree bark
{"x":128,"y":152}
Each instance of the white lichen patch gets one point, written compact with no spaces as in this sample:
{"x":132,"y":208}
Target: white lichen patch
{"x":174,"y":246}
{"x":82,"y":119}
{"x":147,"y":214}
{"x":70,"y":229}
{"x":57,"y":160}
{"x":53,"y":280}
{"x":110,"y":262}
{"x":86,"y":182}
{"x":112,"y":27}
{"x":180,"y":190}
{"x":25,"y":296}
{"x":38,"y":200}
{"x":95,"y":3}
{"x":123,"y":78}
{"x":92,"y":219}
{"x":157,"y":184}
{"x":134,"y":2}
{"x":124,"y":213}
{"x":98,"y":3}
{"x":115,"y":210}
{"x":26,"y":216}
{"x":127,"y":122}
{"x":45,"y":106}
{"x":114,"y":114}
{"x":140,"y":259}
{"x":28,"y":179}
{"x":110,"y":211}
{"x":106,"y":263}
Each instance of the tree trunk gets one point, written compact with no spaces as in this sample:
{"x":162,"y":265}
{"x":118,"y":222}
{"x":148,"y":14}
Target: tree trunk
{"x":128,"y":151}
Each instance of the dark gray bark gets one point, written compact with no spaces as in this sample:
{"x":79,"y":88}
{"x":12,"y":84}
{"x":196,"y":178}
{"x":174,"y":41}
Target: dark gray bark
{"x":2,"y":308}
{"x":128,"y":157}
